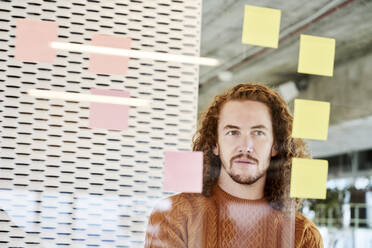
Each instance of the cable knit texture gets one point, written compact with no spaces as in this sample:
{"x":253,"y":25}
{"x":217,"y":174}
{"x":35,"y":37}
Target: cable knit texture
{"x":195,"y":221}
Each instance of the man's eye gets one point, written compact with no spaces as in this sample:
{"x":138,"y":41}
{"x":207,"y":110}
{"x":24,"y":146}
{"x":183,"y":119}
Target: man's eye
{"x":232,"y":132}
{"x":259,"y":133}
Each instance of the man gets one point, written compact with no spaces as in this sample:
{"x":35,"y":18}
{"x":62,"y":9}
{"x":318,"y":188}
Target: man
{"x":245,"y":137}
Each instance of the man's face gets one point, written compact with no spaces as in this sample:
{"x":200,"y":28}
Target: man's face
{"x":245,"y":141}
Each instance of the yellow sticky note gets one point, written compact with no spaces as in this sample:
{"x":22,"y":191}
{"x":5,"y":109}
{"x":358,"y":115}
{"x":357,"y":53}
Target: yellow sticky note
{"x":261,"y":26}
{"x":309,"y":178}
{"x":317,"y":55}
{"x":311,"y":119}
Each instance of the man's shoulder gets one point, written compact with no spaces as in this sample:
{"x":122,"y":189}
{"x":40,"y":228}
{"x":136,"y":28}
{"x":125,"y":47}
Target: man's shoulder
{"x":183,"y":202}
{"x":182,"y":205}
{"x":186,"y":200}
{"x":177,"y":220}
{"x":187,"y":196}
{"x":303,"y":222}
{"x":306,"y":232}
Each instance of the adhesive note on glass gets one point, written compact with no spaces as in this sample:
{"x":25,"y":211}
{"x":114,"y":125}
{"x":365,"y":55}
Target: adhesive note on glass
{"x":311,"y":119}
{"x":183,"y":171}
{"x":261,"y":26}
{"x":109,"y":64}
{"x":316,"y":55}
{"x":309,"y":178}
{"x":33,"y":39}
{"x":109,"y":116}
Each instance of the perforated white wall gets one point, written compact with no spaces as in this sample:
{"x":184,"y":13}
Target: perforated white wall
{"x":62,"y":183}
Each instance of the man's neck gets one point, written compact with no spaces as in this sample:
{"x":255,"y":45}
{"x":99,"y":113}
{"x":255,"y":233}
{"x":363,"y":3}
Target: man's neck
{"x":254,"y":191}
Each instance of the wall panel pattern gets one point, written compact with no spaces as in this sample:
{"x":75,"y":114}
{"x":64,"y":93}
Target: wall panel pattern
{"x":63,"y":184}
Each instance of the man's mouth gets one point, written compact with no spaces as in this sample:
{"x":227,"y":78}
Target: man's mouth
{"x":245,"y":161}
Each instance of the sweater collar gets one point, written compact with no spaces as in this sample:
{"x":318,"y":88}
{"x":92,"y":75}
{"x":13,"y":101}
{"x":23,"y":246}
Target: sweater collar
{"x":224,"y":196}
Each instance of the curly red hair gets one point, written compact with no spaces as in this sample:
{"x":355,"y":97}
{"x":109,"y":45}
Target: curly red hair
{"x":278,"y":175}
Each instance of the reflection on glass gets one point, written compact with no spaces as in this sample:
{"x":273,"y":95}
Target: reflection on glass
{"x":53,"y":218}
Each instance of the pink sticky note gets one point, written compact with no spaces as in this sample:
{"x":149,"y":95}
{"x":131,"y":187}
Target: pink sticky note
{"x":33,"y":39}
{"x":109,"y":116}
{"x":109,"y":64}
{"x":183,"y":171}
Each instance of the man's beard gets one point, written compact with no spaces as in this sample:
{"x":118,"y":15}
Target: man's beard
{"x":247,"y":180}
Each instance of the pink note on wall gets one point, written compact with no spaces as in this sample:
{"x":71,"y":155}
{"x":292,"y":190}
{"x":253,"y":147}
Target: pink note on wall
{"x":33,"y":38}
{"x":183,"y":171}
{"x":109,"y":116}
{"x":109,"y":64}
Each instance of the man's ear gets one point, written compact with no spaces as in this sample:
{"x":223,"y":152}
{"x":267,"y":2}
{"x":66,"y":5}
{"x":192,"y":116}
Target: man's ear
{"x":215,"y":150}
{"x":274,"y":150}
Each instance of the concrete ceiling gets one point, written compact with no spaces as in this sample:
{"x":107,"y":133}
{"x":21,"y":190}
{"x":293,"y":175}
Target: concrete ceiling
{"x":350,"y":88}
{"x":339,"y":137}
{"x":348,"y":21}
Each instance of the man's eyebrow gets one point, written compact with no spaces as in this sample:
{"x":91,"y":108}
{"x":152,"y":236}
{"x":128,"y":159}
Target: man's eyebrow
{"x":260,"y":127}
{"x":231,"y":127}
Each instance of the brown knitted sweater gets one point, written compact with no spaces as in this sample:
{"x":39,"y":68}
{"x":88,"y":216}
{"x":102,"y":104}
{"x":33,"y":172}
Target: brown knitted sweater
{"x":222,"y":220}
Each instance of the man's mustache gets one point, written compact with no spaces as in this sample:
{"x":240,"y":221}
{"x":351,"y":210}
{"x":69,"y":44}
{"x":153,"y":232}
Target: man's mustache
{"x":246,"y":156}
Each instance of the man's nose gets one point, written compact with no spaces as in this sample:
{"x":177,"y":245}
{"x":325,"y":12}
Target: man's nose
{"x":246,"y":144}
